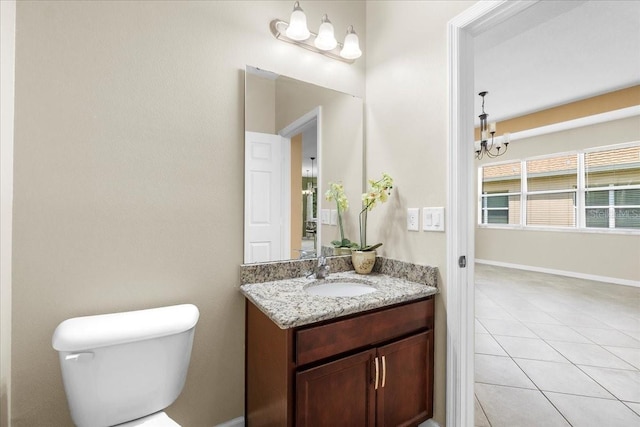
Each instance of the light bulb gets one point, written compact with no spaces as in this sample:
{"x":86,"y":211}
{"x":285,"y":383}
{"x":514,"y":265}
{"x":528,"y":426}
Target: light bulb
{"x":297,"y":29}
{"x":351,"y":48}
{"x":326,"y":40}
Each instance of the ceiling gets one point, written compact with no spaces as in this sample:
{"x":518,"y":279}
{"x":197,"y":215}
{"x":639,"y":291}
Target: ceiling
{"x":556,"y":52}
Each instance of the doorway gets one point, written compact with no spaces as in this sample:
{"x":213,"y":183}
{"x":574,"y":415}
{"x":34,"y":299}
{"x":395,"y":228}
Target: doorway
{"x":460,"y":190}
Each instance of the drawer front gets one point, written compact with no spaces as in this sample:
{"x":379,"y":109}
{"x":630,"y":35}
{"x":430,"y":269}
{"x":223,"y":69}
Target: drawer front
{"x":328,"y":340}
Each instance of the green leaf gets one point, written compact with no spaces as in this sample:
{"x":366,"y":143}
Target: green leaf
{"x":372,"y":247}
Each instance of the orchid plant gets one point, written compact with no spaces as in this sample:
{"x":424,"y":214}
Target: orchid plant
{"x":336,"y":193}
{"x":378,"y":192}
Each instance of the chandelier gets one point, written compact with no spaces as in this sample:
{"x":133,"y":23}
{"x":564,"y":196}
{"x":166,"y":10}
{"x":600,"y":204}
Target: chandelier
{"x":488,"y":144}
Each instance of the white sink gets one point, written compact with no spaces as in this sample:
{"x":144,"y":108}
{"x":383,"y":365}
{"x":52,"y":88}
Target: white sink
{"x":340,"y":289}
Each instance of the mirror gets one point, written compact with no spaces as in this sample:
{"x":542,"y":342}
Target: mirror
{"x":299,"y":137}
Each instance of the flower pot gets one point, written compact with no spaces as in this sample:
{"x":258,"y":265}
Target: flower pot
{"x":341,"y":251}
{"x":363,"y":261}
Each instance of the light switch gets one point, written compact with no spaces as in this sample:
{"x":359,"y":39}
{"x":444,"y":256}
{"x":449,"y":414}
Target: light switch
{"x":433,"y":219}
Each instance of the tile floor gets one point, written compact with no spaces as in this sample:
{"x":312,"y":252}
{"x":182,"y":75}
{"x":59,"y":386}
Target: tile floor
{"x":555,"y":351}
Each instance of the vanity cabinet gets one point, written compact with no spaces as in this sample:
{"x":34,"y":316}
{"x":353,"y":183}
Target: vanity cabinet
{"x":369,"y":369}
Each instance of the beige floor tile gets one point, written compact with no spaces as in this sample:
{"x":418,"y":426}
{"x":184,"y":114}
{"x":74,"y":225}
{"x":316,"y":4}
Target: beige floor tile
{"x":557,"y":333}
{"x":517,"y":407}
{"x":486,"y":344}
{"x":634,"y":406}
{"x":479,"y":328}
{"x":608,"y":337}
{"x":480,"y":419}
{"x":584,"y":411}
{"x":533,"y":316}
{"x":579,"y":319}
{"x":623,"y":323}
{"x":632,"y":334}
{"x":561,"y":378}
{"x":512,"y":328}
{"x":623,"y":384}
{"x":489,"y":312}
{"x":629,"y":355}
{"x":529,"y":348}
{"x":589,"y":354}
{"x":575,"y":339}
{"x":500,"y":371}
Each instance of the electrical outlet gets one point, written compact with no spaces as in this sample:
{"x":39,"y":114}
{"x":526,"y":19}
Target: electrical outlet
{"x":413,"y":217}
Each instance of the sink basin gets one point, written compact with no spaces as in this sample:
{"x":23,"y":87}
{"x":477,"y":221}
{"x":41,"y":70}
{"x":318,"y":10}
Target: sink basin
{"x":340,"y":289}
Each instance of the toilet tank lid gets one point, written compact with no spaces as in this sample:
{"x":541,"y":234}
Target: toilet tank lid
{"x":89,"y":332}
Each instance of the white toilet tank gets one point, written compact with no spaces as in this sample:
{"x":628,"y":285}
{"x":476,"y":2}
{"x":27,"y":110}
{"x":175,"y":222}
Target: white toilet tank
{"x":123,"y":366}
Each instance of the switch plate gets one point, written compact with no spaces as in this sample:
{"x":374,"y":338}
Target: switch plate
{"x":433,"y":219}
{"x":413,"y":218}
{"x":334,"y":217}
{"x":325,"y":216}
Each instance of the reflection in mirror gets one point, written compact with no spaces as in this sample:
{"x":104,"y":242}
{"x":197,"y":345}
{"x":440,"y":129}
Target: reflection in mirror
{"x":298,"y":137}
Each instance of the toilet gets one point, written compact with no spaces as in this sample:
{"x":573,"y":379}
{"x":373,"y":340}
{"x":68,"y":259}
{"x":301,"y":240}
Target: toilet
{"x":124,"y":369}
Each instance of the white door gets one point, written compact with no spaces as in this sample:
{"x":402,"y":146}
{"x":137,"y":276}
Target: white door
{"x":263,"y":222}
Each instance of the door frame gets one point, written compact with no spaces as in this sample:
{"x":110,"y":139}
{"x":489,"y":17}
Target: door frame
{"x":461,"y":196}
{"x":294,"y":128}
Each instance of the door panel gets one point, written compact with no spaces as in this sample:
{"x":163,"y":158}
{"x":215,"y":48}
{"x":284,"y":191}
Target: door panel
{"x":263,"y":198}
{"x":339,"y":393}
{"x":405,"y":397}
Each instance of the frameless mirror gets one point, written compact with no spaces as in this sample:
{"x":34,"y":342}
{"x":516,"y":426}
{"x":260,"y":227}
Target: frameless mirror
{"x":298,"y":138}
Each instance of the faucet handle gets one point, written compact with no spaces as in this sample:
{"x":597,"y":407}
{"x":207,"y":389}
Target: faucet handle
{"x":322,"y":261}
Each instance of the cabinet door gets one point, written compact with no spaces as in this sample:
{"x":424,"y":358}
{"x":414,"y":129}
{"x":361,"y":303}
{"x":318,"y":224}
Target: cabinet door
{"x":340,"y":393}
{"x":405,"y":396}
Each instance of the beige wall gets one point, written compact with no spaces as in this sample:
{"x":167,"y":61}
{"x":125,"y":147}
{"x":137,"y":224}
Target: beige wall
{"x":406,"y":136}
{"x":608,"y":255}
{"x":129,"y":176}
{"x":341,"y":131}
{"x":260,"y":104}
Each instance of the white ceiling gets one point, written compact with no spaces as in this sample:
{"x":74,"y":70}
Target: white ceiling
{"x":556,"y":52}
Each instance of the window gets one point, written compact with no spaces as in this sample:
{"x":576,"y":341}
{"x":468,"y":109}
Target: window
{"x":612,"y":181}
{"x":551,"y":191}
{"x":501,"y":194}
{"x":591,"y":189}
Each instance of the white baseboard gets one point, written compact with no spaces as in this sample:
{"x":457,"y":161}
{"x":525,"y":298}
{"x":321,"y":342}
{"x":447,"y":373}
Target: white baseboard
{"x":429,"y":423}
{"x":575,"y":274}
{"x":236,"y":422}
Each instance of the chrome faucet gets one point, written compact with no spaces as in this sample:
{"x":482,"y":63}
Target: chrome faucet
{"x":323,"y":269}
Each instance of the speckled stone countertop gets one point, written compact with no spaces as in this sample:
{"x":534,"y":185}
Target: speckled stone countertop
{"x":288,"y":305}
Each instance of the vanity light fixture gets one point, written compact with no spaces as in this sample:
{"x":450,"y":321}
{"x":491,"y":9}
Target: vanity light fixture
{"x":494,"y":147}
{"x":325,"y":43}
{"x":297,"y":29}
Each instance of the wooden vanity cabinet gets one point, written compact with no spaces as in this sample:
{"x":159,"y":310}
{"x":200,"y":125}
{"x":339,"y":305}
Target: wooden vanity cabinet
{"x":369,"y":369}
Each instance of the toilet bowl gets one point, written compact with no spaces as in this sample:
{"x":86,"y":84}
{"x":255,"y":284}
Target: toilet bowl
{"x":124,"y":369}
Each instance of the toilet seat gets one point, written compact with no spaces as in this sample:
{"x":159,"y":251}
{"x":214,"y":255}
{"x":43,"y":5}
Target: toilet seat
{"x":159,"y":419}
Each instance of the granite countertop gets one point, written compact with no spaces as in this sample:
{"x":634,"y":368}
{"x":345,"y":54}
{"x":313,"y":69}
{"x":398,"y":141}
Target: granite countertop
{"x":287,"y":304}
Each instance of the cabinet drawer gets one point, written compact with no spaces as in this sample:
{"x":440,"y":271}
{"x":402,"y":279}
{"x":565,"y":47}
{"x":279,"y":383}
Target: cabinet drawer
{"x":331,"y":339}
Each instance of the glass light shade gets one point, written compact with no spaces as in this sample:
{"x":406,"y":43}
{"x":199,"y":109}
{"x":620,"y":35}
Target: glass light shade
{"x":297,"y":29}
{"x":326,"y":40}
{"x":477,"y":146}
{"x":351,"y":48}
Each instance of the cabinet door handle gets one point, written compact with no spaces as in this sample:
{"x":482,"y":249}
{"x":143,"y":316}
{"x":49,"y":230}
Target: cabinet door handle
{"x":384,"y":371}
{"x":377,"y":372}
